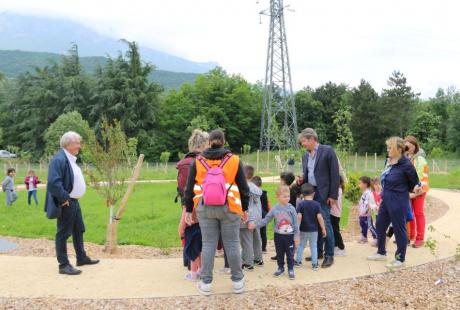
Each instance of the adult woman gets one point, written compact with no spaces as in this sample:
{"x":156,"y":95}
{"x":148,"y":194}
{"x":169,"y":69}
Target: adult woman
{"x":398,"y":179}
{"x":417,"y":226}
{"x":221,"y":219}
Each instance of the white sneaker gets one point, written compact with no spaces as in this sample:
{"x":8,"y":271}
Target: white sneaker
{"x":238,"y":286}
{"x":395,"y":264}
{"x":204,"y":288}
{"x":377,"y":257}
{"x":224,"y":270}
{"x":339,"y":252}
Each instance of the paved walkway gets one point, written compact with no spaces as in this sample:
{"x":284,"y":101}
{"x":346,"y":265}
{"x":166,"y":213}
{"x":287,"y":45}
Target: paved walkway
{"x":142,"y":278}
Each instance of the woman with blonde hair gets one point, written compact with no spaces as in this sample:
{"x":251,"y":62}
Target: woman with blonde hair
{"x":398,"y":179}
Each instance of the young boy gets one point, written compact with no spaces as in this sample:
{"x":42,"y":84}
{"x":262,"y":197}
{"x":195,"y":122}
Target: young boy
{"x":309,"y":215}
{"x":251,"y":242}
{"x":265,"y":209}
{"x":286,"y":230}
{"x":366,"y":205}
{"x":8,"y":187}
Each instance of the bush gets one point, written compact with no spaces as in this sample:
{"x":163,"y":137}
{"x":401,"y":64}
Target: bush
{"x":352,"y":191}
{"x":437,"y":152}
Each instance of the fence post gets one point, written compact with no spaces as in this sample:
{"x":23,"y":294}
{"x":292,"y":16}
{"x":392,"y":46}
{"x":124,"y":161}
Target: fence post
{"x":257,"y":165}
{"x":445,"y":166}
{"x":375,"y":161}
{"x":365,"y":164}
{"x":268,"y":160}
{"x":356,"y":161}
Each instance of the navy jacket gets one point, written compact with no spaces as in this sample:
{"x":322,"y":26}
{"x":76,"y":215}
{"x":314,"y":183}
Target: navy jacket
{"x":60,"y":184}
{"x":326,"y":173}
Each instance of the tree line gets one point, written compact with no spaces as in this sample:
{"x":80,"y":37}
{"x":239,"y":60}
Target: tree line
{"x":353,"y":119}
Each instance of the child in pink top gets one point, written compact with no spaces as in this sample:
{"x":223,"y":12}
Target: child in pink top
{"x":191,"y":234}
{"x":336,"y":213}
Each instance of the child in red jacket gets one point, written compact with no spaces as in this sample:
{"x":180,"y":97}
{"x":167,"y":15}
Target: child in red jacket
{"x":31,"y":182}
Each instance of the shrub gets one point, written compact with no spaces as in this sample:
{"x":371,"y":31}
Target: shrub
{"x":352,"y":190}
{"x":437,"y":152}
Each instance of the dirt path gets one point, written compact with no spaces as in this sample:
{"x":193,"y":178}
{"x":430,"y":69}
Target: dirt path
{"x":34,"y":277}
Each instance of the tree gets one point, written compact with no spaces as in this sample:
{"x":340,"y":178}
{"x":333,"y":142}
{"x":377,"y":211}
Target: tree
{"x":342,"y":120}
{"x":71,"y":121}
{"x":310,"y":112}
{"x":427,"y":128}
{"x":453,"y":129}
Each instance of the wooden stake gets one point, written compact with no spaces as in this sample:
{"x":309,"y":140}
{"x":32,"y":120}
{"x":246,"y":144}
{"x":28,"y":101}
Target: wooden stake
{"x":365,"y":164}
{"x":356,"y":161}
{"x":257,"y":165}
{"x":375,"y":161}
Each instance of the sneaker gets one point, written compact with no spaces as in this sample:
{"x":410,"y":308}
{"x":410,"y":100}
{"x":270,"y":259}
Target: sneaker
{"x":204,"y":288}
{"x":258,"y":263}
{"x":224,"y":270}
{"x":297,"y":264}
{"x":362,"y":240}
{"x":377,"y":257}
{"x":275,"y":258}
{"x":418,"y":244}
{"x":395,"y":264}
{"x":192,"y":277}
{"x":291,"y":274}
{"x":315,"y":267}
{"x":339,"y":252}
{"x":279,"y":272}
{"x":247,"y":267}
{"x":238,"y":286}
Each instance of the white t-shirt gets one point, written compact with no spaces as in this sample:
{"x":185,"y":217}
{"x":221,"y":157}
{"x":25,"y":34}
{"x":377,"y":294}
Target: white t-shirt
{"x":31,"y":184}
{"x":79,"y":185}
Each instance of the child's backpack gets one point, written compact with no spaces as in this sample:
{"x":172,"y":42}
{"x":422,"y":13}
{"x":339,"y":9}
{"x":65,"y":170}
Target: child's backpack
{"x":183,"y":168}
{"x":214,"y":184}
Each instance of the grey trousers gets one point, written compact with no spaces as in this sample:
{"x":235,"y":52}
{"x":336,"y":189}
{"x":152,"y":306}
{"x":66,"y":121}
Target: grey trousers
{"x":215,"y":221}
{"x":251,"y":245}
{"x":11,"y":197}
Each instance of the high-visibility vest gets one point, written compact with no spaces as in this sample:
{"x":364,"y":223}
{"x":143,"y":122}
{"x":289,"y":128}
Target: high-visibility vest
{"x":421,"y":166}
{"x":230,"y":170}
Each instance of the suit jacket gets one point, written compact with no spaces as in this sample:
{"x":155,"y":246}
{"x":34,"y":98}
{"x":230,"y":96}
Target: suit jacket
{"x":59,"y":186}
{"x":326,"y":172}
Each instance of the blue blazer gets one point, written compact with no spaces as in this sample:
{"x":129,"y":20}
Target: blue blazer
{"x":326,"y":172}
{"x":59,"y":186}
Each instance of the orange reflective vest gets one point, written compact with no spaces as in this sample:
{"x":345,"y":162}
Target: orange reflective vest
{"x":230,"y":170}
{"x":421,"y":166}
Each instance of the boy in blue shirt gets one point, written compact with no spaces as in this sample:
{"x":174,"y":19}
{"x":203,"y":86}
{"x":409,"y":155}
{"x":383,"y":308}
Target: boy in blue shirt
{"x":309,"y":215}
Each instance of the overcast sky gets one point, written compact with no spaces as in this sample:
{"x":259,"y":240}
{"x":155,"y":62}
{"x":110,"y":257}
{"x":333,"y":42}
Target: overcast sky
{"x":328,"y":40}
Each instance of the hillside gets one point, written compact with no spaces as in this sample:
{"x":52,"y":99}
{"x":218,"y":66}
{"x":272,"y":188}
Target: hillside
{"x":13,"y":63}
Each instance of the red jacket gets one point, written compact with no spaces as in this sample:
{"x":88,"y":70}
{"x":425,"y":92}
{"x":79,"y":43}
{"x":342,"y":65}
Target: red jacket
{"x":36,"y":181}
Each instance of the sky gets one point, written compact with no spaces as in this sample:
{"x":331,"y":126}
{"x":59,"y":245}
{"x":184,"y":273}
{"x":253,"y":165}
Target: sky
{"x":328,"y":40}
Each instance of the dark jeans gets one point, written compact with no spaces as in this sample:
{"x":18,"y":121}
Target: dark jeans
{"x":284,"y":245}
{"x":263,"y":235}
{"x":30,"y":194}
{"x":335,"y":222}
{"x":70,"y":223}
{"x":325,"y":244}
{"x":366,"y":224}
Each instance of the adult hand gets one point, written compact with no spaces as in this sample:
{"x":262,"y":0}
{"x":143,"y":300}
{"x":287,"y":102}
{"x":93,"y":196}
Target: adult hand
{"x":188,"y":218}
{"x":299,"y":180}
{"x":418,"y":190}
{"x":65,"y":204}
{"x":331,"y":201}
{"x":324,"y":232}
{"x":244,"y":217}
{"x":251,"y":226}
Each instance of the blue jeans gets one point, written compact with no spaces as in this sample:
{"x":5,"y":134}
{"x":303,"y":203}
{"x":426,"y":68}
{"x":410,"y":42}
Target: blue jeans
{"x":30,"y":194}
{"x":312,"y":238}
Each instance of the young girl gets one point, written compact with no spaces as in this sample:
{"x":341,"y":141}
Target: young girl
{"x":31,"y":182}
{"x":8,"y":187}
{"x":366,"y":206}
{"x":336,"y":213}
{"x":192,"y":245}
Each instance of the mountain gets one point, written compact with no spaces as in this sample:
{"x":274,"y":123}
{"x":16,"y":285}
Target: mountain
{"x":13,"y":63}
{"x":53,"y":35}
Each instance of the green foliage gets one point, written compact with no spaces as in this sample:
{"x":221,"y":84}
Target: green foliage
{"x":437,"y":152}
{"x":342,"y":120}
{"x":71,"y":121}
{"x":246,"y":149}
{"x":352,"y":190}
{"x":164,"y":157}
{"x":453,"y":129}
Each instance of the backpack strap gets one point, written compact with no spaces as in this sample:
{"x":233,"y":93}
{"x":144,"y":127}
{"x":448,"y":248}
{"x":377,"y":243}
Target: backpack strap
{"x":203,"y":162}
{"x":225,"y":160}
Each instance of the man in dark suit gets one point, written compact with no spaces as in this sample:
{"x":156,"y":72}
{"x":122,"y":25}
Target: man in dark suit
{"x":321,"y":169}
{"x":66,"y":185}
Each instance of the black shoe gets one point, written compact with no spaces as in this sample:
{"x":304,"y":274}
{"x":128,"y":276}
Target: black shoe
{"x":291,"y":274}
{"x":258,"y":263}
{"x":69,"y":270}
{"x":279,"y":272}
{"x":297,"y":264}
{"x":247,"y":267}
{"x":275,"y":258}
{"x":320,"y":256}
{"x":328,"y":261}
{"x":87,"y":261}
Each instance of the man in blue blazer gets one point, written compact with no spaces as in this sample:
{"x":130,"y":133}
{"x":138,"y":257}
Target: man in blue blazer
{"x":66,"y":185}
{"x":321,"y":169}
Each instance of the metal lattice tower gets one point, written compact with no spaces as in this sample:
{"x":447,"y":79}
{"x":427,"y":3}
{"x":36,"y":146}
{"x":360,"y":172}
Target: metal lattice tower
{"x":278,"y":98}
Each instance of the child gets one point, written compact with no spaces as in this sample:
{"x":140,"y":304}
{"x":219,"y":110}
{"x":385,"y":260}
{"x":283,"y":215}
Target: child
{"x":192,"y":245}
{"x":336,"y":213}
{"x":286,"y":230}
{"x":8,"y":187}
{"x":251,"y":243}
{"x":31,"y":182}
{"x":309,"y":215}
{"x":265,"y":209}
{"x":376,"y":188}
{"x":288,"y":178}
{"x":366,"y":205}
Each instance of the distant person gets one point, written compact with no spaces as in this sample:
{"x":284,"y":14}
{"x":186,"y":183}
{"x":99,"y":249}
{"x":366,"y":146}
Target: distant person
{"x":417,"y":226}
{"x":66,"y":185}
{"x":8,"y":187}
{"x":265,"y":204}
{"x":218,"y":189}
{"x":291,"y":164}
{"x":398,"y":179}
{"x":366,"y":206}
{"x":286,"y":231}
{"x":336,"y":214}
{"x":311,"y":221}
{"x":321,"y":169}
{"x":31,"y":181}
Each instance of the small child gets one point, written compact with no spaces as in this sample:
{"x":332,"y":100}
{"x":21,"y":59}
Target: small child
{"x":31,"y":182}
{"x":366,"y":205}
{"x":336,"y":213}
{"x":288,"y":178}
{"x":251,"y":243}
{"x":265,"y":209}
{"x":8,"y":187}
{"x":309,"y":215}
{"x":286,"y":230}
{"x":376,"y":188}
{"x":192,"y":245}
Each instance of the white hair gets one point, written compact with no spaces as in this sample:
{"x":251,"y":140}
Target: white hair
{"x":69,"y":137}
